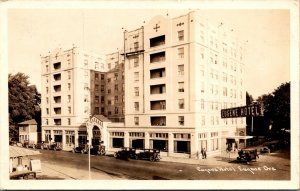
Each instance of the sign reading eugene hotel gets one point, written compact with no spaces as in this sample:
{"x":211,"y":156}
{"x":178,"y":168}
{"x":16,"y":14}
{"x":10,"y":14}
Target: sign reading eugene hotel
{"x":245,"y":111}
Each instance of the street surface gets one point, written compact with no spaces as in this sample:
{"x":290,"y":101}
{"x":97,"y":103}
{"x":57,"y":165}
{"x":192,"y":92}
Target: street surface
{"x":273,"y":166}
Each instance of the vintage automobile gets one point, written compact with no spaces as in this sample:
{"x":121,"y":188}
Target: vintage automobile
{"x":53,"y":146}
{"x":28,"y":144}
{"x":83,"y":148}
{"x":40,"y":145}
{"x":125,"y":153}
{"x":149,"y":154}
{"x":265,"y":150}
{"x":247,"y":155}
{"x":98,"y":150}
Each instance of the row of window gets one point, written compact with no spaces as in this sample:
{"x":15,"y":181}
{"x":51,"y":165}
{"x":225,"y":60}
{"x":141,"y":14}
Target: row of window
{"x":159,"y":121}
{"x":117,"y":111}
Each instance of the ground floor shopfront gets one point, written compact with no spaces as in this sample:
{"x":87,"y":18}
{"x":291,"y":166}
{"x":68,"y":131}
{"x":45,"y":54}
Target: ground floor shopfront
{"x":171,"y":142}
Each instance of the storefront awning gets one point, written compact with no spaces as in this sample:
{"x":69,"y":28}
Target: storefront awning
{"x":237,"y":137}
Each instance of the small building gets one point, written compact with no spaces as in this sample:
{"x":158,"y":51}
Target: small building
{"x":28,"y":131}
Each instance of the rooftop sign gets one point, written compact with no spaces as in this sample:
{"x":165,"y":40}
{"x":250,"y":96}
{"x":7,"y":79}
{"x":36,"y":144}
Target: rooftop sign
{"x":245,"y":111}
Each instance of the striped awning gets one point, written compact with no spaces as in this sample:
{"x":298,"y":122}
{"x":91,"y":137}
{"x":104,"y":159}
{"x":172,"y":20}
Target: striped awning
{"x":15,"y":151}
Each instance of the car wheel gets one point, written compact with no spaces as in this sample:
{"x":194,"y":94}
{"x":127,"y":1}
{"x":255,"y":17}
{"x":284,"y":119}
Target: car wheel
{"x":54,"y":148}
{"x":34,"y":147}
{"x":102,"y":152}
{"x":136,"y":157}
{"x":82,"y":151}
{"x":42,"y":147}
{"x":151,"y":158}
{"x":27,"y":146}
{"x":48,"y":148}
{"x":116,"y":155}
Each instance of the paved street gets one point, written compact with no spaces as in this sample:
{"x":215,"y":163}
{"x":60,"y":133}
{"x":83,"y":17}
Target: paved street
{"x":67,"y":165}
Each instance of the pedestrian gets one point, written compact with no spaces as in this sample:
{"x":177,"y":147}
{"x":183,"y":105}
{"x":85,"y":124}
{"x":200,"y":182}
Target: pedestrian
{"x":204,"y":153}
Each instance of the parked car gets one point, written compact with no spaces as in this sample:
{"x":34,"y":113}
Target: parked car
{"x":247,"y":155}
{"x":149,"y":154}
{"x":265,"y":150}
{"x":40,"y":145}
{"x":98,"y":150}
{"x":125,"y":153}
{"x":53,"y":146}
{"x":83,"y":148}
{"x":28,"y":144}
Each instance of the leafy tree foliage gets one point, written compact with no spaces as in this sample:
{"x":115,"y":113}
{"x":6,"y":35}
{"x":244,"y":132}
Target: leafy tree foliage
{"x":276,"y":109}
{"x":24,"y":100}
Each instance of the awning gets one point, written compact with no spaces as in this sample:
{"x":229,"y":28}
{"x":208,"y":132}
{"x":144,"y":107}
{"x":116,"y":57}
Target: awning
{"x":15,"y":151}
{"x":238,"y":137}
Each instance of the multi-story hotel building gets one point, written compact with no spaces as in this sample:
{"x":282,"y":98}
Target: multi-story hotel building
{"x":179,"y":74}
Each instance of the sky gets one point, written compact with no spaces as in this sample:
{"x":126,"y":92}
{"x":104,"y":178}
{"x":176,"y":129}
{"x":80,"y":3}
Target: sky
{"x":35,"y":32}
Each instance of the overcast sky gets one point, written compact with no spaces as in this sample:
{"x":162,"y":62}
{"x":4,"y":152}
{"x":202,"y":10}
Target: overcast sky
{"x":34,"y":32}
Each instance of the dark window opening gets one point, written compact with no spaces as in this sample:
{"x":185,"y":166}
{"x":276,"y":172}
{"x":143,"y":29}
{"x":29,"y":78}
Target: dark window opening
{"x":158,"y":121}
{"x":117,"y":142}
{"x":157,"y":41}
{"x":160,"y":145}
{"x":157,"y":73}
{"x":158,"y":57}
{"x":158,"y":89}
{"x":182,"y":147}
{"x":158,"y":105}
{"x":137,"y":143}
{"x":57,"y":65}
{"x":57,"y":77}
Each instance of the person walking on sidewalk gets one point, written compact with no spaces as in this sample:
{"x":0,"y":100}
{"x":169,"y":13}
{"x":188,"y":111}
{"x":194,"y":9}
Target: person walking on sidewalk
{"x":204,"y":153}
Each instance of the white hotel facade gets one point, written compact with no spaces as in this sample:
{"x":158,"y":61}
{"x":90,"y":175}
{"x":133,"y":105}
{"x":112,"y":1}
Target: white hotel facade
{"x":179,"y":73}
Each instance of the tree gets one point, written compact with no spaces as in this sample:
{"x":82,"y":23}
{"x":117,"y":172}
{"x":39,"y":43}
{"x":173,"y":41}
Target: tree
{"x":276,"y":110}
{"x":24,"y":100}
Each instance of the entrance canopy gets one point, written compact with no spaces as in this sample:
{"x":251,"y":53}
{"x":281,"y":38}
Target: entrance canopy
{"x":238,"y":137}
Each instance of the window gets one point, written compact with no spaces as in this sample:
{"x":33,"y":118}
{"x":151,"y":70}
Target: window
{"x":47,"y":100}
{"x":136,"y":46}
{"x":181,"y":103}
{"x":69,"y":86}
{"x":157,"y":41}
{"x":181,"y":70}
{"x":69,"y":98}
{"x":96,"y":87}
{"x":116,"y":76}
{"x":96,"y":99}
{"x":102,"y":88}
{"x":57,"y":65}
{"x":108,"y":80}
{"x":108,"y":102}
{"x":57,"y":121}
{"x":158,"y":105}
{"x":102,"y":99}
{"x":47,"y":68}
{"x":86,"y":86}
{"x":202,"y":103}
{"x":158,"y":121}
{"x":47,"y":111}
{"x":108,"y":91}
{"x":86,"y":63}
{"x":136,"y":91}
{"x":180,"y":86}
{"x":136,"y":120}
{"x":157,"y":73}
{"x":116,"y":87}
{"x":136,"y":61}
{"x":181,"y":52}
{"x":96,"y":76}
{"x":86,"y":98}
{"x":158,"y":89}
{"x":69,"y":110}
{"x":158,"y":57}
{"x":69,"y":121}
{"x":116,"y":110}
{"x":97,"y":110}
{"x":203,"y":120}
{"x":180,"y":35}
{"x":47,"y":122}
{"x":47,"y":90}
{"x":136,"y":76}
{"x":116,"y":99}
{"x":136,"y":106}
{"x":102,"y":76}
{"x":181,"y":120}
